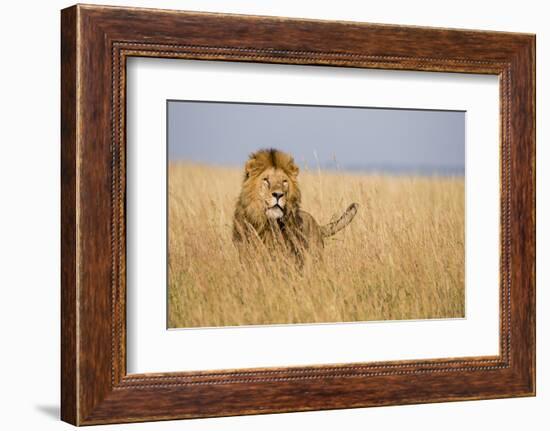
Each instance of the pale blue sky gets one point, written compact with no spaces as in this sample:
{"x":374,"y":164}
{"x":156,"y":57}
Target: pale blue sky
{"x":358,"y":139}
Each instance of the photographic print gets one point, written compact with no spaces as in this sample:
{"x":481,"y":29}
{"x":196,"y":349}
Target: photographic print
{"x":296,"y":214}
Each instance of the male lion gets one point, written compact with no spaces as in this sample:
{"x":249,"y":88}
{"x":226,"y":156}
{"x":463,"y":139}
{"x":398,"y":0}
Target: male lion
{"x":268,"y":209}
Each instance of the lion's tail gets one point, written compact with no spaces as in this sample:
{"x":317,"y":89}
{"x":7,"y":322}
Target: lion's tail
{"x":345,"y":219}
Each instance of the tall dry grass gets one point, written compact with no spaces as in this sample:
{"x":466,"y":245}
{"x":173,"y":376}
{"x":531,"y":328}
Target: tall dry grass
{"x":401,"y":258}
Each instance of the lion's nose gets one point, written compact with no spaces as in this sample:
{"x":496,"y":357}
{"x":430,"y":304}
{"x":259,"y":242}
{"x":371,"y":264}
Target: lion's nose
{"x":277,"y":195}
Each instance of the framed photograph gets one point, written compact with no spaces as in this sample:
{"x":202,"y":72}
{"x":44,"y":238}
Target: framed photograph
{"x":265,"y":214}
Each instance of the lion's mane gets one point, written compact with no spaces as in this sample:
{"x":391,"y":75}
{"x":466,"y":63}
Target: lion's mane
{"x":249,"y":212}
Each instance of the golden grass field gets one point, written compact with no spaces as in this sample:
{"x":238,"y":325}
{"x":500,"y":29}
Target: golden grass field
{"x":402,"y":257}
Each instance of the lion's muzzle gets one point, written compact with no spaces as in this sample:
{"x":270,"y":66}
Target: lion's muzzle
{"x":276,"y":206}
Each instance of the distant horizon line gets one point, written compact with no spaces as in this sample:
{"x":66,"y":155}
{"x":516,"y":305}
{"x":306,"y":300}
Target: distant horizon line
{"x":375,"y":168}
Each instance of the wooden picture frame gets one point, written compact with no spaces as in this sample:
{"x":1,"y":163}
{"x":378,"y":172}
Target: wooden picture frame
{"x":95,"y":43}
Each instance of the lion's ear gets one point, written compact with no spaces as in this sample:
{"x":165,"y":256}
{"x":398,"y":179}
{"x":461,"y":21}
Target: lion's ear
{"x":249,"y":167}
{"x":293,"y":169}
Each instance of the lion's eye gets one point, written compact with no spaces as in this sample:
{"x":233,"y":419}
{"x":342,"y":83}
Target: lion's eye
{"x":266,"y":181}
{"x":285,"y":183}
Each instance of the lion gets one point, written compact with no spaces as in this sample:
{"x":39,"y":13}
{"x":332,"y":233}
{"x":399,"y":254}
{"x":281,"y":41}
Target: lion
{"x":268,"y":209}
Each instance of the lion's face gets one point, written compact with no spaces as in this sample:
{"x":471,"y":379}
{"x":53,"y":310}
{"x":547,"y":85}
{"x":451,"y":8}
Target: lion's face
{"x":270,"y":188}
{"x":273,"y":191}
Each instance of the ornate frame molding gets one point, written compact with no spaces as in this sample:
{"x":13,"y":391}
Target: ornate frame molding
{"x":96,"y":41}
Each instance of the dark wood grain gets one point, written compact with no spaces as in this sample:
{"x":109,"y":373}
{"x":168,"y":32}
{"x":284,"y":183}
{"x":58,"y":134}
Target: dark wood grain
{"x":69,"y":398}
{"x":96,"y":41}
